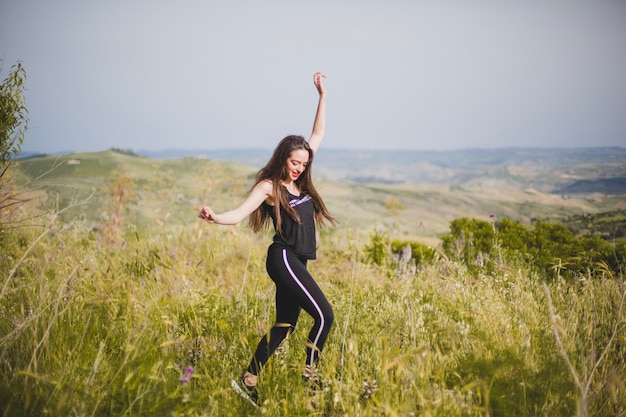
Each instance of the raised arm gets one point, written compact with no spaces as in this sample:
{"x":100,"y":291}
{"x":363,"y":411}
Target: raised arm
{"x":319,"y":125}
{"x":259,"y":193}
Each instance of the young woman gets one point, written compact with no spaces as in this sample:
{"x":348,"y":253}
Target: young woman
{"x":284,"y":192}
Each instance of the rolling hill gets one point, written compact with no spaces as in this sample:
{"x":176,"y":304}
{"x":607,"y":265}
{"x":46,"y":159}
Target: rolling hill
{"x":411,"y":195}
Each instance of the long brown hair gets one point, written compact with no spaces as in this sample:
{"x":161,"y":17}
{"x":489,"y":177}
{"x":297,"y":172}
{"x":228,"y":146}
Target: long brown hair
{"x":276,"y":171}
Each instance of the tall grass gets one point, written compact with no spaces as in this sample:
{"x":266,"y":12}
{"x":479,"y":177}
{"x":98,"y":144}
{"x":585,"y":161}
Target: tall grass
{"x":91,"y":326}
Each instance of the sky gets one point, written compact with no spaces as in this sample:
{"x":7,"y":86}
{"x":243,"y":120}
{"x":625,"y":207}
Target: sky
{"x":402,"y":75}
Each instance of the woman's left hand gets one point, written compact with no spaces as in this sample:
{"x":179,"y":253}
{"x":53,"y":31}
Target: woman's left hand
{"x":317,"y":80}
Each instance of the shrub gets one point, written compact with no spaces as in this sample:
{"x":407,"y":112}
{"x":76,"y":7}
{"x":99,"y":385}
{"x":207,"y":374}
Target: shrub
{"x":377,"y":251}
{"x":550,"y":248}
{"x":422,"y":254}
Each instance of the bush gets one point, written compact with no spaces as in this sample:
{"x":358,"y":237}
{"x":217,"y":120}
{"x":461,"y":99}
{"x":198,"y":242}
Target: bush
{"x":550,"y":248}
{"x":377,"y":251}
{"x":420,"y":253}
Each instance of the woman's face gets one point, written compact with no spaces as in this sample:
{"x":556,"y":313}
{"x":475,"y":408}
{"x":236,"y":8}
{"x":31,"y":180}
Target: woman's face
{"x":297,"y":162}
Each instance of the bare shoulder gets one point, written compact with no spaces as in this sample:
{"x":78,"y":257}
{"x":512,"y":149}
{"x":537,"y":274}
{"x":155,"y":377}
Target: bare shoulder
{"x":266,"y":186}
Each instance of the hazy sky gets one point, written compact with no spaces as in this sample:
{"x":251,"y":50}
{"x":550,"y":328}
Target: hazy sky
{"x":434,"y":75}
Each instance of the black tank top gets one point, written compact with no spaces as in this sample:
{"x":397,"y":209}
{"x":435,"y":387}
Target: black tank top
{"x":298,"y":237}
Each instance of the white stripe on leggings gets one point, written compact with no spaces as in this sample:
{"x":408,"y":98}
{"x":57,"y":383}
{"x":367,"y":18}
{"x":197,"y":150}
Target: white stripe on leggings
{"x":308,"y":294}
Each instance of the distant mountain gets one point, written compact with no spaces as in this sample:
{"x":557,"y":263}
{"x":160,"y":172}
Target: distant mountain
{"x":547,"y":170}
{"x":555,"y":170}
{"x":27,"y":155}
{"x":607,"y":186}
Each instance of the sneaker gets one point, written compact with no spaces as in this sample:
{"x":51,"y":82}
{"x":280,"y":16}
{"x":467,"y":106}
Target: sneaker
{"x":311,"y":379}
{"x":246,"y":392}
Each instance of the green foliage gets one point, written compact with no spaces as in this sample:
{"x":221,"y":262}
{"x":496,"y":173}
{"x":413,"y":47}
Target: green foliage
{"x":398,"y":253}
{"x":13,"y":124}
{"x":377,"y":249}
{"x":470,"y":240}
{"x":550,"y":248}
{"x":13,"y":113}
{"x":94,"y":328}
{"x":609,"y":225}
{"x":419,"y":252}
{"x":394,"y":205}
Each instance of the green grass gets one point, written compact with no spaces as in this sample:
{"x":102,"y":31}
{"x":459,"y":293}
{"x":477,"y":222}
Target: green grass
{"x":93,"y":328}
{"x":94,"y":322}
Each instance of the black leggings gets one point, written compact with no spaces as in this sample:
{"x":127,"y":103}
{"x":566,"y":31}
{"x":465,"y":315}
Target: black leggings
{"x":295,"y":290}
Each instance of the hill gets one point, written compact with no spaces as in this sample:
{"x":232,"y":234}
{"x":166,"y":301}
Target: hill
{"x":171,"y":190}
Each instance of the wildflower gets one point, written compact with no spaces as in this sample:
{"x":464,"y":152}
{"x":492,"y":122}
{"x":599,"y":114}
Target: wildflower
{"x":369,"y":387}
{"x":406,"y":253}
{"x":186,"y":377}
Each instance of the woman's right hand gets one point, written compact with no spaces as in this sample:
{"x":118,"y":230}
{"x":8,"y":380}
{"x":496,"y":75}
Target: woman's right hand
{"x":207,"y":214}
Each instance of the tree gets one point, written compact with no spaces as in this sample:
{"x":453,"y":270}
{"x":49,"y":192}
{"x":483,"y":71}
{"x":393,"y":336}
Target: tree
{"x":394,"y":205}
{"x":13,"y":125}
{"x":13,"y":114}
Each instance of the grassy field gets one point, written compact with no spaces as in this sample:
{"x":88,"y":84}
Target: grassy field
{"x":155,"y":317}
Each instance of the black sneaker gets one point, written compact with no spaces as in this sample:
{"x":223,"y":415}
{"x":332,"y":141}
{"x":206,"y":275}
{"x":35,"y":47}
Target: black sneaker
{"x":246,"y":392}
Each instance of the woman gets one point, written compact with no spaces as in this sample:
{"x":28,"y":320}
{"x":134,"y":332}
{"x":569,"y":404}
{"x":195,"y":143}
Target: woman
{"x":284,"y":192}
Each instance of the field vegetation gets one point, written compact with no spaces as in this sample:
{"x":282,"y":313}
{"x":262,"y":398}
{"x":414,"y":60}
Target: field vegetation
{"x":116,"y":300}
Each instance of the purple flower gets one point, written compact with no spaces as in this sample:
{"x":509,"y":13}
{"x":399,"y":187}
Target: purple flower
{"x":187,"y":376}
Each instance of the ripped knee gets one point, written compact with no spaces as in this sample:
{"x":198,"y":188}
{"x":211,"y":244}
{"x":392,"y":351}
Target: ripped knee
{"x":287,"y":326}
